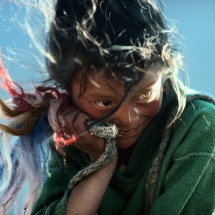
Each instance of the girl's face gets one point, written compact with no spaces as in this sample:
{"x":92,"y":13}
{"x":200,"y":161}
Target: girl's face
{"x":101,"y":95}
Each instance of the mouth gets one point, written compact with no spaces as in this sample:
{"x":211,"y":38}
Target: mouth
{"x":127,"y":133}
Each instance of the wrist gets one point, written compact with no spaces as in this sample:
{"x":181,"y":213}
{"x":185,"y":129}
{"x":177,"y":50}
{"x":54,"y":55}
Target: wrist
{"x":94,"y":158}
{"x":113,"y":161}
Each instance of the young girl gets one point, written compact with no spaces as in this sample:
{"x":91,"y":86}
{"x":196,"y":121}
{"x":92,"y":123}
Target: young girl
{"x":113,"y":62}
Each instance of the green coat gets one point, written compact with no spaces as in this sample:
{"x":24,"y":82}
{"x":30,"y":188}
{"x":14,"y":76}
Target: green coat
{"x":186,"y":184}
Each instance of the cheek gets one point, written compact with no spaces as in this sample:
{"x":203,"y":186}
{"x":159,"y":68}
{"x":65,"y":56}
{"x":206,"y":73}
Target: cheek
{"x":151,"y":109}
{"x":87,"y":109}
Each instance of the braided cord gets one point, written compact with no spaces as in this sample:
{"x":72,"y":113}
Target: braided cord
{"x":109,"y":132}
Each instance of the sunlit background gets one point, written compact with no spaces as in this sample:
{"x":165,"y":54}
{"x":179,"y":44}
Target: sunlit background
{"x":194,"y":19}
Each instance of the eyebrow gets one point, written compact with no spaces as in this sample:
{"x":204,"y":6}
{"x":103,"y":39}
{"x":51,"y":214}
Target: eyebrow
{"x":101,"y":96}
{"x":151,"y":87}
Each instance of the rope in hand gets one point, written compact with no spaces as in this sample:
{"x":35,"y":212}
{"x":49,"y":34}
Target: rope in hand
{"x":108,"y":131}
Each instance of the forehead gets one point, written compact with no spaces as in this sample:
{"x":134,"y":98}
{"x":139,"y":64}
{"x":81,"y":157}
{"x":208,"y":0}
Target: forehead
{"x":97,"y":82}
{"x":103,"y":82}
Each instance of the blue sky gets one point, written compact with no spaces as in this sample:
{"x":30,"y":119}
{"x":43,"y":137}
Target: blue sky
{"x":194,"y":20}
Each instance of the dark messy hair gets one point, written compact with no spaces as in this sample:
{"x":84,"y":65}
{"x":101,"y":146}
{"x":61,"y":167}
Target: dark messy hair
{"x":124,"y":37}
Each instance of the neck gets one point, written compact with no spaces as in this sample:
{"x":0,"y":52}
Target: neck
{"x":124,"y":155}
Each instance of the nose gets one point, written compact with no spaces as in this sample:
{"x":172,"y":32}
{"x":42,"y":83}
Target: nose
{"x":125,"y":116}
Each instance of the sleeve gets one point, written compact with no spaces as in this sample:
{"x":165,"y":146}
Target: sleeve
{"x":187,"y":184}
{"x":52,"y":198}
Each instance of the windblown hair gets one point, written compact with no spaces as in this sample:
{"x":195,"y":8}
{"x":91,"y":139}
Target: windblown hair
{"x":126,"y":37}
{"x":123,"y":39}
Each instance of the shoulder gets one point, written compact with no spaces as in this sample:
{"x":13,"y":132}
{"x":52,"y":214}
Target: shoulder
{"x":188,"y":168}
{"x":194,"y":131}
{"x":198,"y":110}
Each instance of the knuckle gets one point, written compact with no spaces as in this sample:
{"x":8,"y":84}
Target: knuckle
{"x":82,"y":116}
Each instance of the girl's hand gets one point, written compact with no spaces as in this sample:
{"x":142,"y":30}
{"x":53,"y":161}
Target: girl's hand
{"x":72,"y":120}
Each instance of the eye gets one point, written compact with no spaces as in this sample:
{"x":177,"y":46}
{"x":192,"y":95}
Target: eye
{"x":145,"y":95}
{"x":104,"y":103}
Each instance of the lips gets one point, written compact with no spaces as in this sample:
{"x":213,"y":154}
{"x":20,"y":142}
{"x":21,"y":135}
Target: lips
{"x":127,"y":133}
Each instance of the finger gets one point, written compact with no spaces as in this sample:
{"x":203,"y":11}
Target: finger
{"x":69,"y":110}
{"x":62,"y":115}
{"x":69,"y":120}
{"x":79,"y":123}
